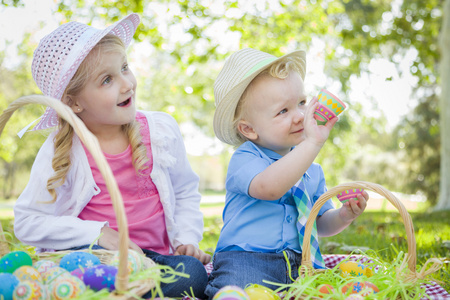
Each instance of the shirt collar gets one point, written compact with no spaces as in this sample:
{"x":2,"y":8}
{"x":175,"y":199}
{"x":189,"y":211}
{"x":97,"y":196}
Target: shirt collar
{"x":275,"y":156}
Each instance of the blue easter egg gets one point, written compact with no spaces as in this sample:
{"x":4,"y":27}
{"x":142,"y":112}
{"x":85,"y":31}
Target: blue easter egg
{"x":100,"y":277}
{"x":8,"y":283}
{"x":13,"y":260}
{"x":75,"y":260}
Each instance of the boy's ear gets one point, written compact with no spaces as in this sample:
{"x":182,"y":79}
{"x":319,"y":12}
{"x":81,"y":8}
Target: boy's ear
{"x":246,"y":129}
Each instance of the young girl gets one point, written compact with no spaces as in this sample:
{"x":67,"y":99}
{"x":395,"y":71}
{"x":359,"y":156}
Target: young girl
{"x":66,"y":204}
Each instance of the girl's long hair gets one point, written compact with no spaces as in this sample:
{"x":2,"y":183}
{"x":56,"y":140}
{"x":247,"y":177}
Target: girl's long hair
{"x":63,"y":139}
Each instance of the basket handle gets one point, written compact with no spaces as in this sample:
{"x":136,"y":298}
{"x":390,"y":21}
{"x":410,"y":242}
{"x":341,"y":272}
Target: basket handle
{"x":91,"y":142}
{"x":406,"y":218}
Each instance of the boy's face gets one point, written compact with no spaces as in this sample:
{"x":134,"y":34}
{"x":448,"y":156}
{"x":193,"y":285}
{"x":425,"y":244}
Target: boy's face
{"x":275,"y":112}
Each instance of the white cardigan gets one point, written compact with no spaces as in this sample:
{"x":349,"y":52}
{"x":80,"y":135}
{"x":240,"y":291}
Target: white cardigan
{"x":56,"y":225}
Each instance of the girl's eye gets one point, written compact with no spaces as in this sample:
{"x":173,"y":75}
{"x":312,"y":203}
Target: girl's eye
{"x":107,"y":80}
{"x":125,"y":67}
{"x":301,"y":103}
{"x":283,"y":111}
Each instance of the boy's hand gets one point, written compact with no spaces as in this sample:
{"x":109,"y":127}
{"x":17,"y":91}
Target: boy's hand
{"x":191,"y":250}
{"x":317,"y":134}
{"x":352,"y":209}
{"x":110,"y":240}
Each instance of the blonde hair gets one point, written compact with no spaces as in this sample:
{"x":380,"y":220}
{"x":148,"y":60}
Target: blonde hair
{"x":280,"y":70}
{"x":63,"y":139}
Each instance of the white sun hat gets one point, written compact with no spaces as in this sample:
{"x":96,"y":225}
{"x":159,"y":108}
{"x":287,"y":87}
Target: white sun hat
{"x":60,"y":53}
{"x":237,"y":73}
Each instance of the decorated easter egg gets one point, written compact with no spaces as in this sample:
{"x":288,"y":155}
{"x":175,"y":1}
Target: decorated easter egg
{"x":54,"y":273}
{"x":30,"y":290}
{"x":231,"y":292}
{"x":44,"y":265}
{"x":325,"y":289}
{"x":135,"y":261}
{"x":28,"y":273}
{"x":370,"y":288}
{"x":354,"y":269}
{"x":260,"y":292}
{"x":346,"y":195}
{"x":78,"y":273}
{"x":75,"y":260}
{"x":67,"y":288}
{"x":363,"y":288}
{"x":13,"y":260}
{"x":100,"y":277}
{"x":355,"y":297}
{"x":8,"y":283}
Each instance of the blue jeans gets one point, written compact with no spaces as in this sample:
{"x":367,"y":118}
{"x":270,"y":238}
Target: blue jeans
{"x":192,"y":266}
{"x":241,"y":268}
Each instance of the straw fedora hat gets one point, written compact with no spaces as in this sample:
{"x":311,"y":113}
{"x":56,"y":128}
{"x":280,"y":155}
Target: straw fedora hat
{"x":60,"y":53}
{"x":237,"y":73}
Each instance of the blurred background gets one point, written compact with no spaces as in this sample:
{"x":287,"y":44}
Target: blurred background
{"x":381,"y":57}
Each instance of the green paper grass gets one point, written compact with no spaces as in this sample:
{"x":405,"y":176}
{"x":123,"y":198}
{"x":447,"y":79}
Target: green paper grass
{"x":390,"y":278}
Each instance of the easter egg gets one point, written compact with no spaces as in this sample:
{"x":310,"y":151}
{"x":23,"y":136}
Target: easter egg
{"x":260,"y":292}
{"x":8,"y":283}
{"x":135,"y":261}
{"x":354,"y":269}
{"x":28,"y":273}
{"x":13,"y":260}
{"x":30,"y":290}
{"x":355,"y":297}
{"x":325,"y":289}
{"x":67,"y":288}
{"x":78,"y":273}
{"x":51,"y":274}
{"x":231,"y":292}
{"x":75,"y":260}
{"x":363,"y":288}
{"x":100,"y":277}
{"x":353,"y":287}
{"x":44,"y":265}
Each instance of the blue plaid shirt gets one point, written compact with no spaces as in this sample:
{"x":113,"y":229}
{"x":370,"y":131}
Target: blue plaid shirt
{"x":257,"y":225}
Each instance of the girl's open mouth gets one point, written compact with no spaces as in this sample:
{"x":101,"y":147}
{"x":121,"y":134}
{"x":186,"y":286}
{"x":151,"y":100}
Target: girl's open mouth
{"x":125,"y":103}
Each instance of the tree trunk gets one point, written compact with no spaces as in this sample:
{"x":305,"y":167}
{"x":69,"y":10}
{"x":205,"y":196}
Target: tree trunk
{"x":444,"y":198}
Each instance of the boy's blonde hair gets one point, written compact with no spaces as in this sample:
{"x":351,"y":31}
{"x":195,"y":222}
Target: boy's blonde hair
{"x":63,"y":139}
{"x":280,"y":70}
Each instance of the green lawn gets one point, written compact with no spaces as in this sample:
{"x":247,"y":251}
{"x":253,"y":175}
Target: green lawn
{"x":383,"y":232}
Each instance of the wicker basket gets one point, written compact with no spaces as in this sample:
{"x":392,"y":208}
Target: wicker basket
{"x":124,"y":288}
{"x":412,"y":276}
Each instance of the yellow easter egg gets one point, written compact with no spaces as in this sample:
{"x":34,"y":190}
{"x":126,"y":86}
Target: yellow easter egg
{"x":260,"y":292}
{"x":28,"y":273}
{"x":354,"y":269}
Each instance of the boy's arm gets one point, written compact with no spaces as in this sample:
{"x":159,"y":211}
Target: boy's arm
{"x":335,"y":220}
{"x":279,"y":177}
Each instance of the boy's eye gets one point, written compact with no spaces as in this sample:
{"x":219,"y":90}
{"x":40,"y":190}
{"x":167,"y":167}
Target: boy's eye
{"x":125,"y":67}
{"x":283,"y":111}
{"x":107,"y":80}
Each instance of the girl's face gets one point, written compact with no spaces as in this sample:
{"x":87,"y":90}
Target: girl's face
{"x":275,"y":112}
{"x":108,"y":98}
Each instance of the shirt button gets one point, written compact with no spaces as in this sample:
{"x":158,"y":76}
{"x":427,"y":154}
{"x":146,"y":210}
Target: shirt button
{"x":289,"y":219}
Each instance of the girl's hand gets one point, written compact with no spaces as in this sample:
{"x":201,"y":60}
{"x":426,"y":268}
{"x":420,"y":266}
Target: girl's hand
{"x":317,"y":134}
{"x":351,"y":209}
{"x":191,"y":250}
{"x":110,"y":240}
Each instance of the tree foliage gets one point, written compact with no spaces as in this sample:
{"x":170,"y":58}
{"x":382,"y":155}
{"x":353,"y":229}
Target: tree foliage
{"x":186,"y":43}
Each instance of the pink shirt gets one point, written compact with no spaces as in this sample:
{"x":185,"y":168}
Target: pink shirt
{"x":145,"y":213}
